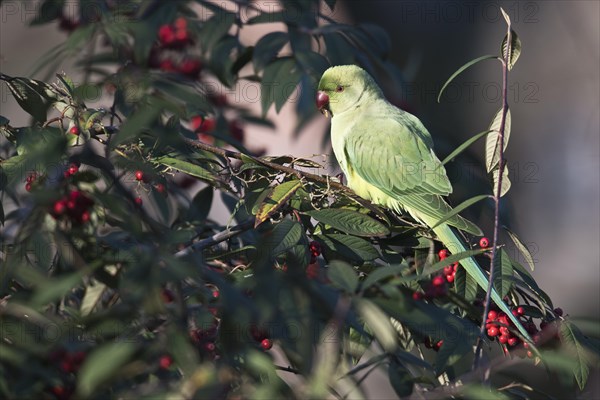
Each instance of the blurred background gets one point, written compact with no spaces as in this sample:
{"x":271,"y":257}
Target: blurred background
{"x":554,"y":94}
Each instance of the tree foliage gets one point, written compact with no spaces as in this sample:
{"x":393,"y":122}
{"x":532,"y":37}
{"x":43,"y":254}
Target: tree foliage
{"x":115,"y":283}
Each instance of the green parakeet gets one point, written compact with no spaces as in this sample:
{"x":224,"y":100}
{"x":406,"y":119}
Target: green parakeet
{"x":387,"y":157}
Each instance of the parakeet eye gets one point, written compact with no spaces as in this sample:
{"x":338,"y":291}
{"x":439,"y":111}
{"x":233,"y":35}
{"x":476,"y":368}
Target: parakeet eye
{"x":340,"y":88}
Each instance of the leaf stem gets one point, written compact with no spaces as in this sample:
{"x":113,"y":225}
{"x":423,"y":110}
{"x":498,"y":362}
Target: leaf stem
{"x":496,"y":197}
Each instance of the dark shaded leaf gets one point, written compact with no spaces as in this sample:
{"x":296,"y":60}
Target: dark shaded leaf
{"x":267,"y":48}
{"x":377,"y":320}
{"x":503,"y":268}
{"x":350,"y":221}
{"x":279,"y":81}
{"x":461,"y":69}
{"x":572,"y":337}
{"x":348,"y":247}
{"x":464,"y":146}
{"x":522,"y":247}
{"x":102,"y":364}
{"x":201,"y":204}
{"x":343,"y":276}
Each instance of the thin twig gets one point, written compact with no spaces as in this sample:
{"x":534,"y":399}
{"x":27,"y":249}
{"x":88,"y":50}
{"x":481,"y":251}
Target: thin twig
{"x":501,"y":165}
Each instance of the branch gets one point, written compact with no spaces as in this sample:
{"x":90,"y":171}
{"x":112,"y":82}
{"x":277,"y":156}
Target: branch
{"x":496,"y":197}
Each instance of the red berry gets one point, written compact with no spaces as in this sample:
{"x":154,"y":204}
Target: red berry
{"x":160,"y":188}
{"x":443,"y":253}
{"x":455,"y":266}
{"x":139,"y":175}
{"x":438,"y":281}
{"x":190,"y":67}
{"x":180,"y":23}
{"x":515,"y":312}
{"x":85,"y":217}
{"x":520,"y":310}
{"x":448,"y":270}
{"x":167,"y":65}
{"x":503,"y":339}
{"x":31,"y":177}
{"x":138,"y":201}
{"x":450,"y":278}
{"x":484,"y":242}
{"x":165,"y":362}
{"x":58,"y":391}
{"x":209,"y":346}
{"x":74,"y":131}
{"x":493,"y":331}
{"x":166,"y":35}
{"x":167,"y":296}
{"x":529,"y":354}
{"x":558,"y":311}
{"x":492,"y":315}
{"x":417,"y":295}
{"x":504,"y":330}
{"x":215,"y":294}
{"x":266,"y":344}
{"x":438,"y":345}
{"x":28,"y":187}
{"x":513,"y":341}
{"x":59,"y":207}
{"x":73,"y":169}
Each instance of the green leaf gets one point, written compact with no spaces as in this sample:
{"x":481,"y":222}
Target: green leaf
{"x":492,"y":141}
{"x":456,"y":210}
{"x":382,"y":273}
{"x":503,"y":267}
{"x":275,"y":199}
{"x":215,"y":28}
{"x":351,"y":248}
{"x":102,"y":364}
{"x":464,"y":146}
{"x":284,"y":236}
{"x":465,"y":285}
{"x":93,"y":292}
{"x":30,"y":100}
{"x":477,"y":392}
{"x":186,"y":167}
{"x":461,"y":69}
{"x":279,"y":81}
{"x":200,"y":205}
{"x":515,"y":49}
{"x":571,"y":336}
{"x":343,"y":276}
{"x":267,"y":48}
{"x":350,"y":221}
{"x":450,"y":260}
{"x":267,"y":18}
{"x":400,"y":379}
{"x":377,"y":321}
{"x":505,"y":181}
{"x":142,"y":120}
{"x":522,"y":248}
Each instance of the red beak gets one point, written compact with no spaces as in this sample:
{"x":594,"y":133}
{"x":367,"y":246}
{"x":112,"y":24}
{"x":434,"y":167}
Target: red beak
{"x":322,"y":101}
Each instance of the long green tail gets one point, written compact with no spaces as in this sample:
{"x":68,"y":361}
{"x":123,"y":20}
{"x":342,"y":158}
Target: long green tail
{"x":455,"y":245}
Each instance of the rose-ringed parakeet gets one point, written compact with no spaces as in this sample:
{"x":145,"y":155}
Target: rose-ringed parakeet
{"x":387,"y":157}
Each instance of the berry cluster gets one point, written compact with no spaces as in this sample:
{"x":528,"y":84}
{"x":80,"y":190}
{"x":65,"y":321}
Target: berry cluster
{"x":175,"y":36}
{"x":30,"y":180}
{"x":449,"y":270}
{"x":68,"y":363}
{"x":204,"y":339}
{"x":75,"y":206}
{"x":72,"y":170}
{"x":498,"y":325}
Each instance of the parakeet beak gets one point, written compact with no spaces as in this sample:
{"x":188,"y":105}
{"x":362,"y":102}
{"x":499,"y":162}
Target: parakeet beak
{"x":323,"y":103}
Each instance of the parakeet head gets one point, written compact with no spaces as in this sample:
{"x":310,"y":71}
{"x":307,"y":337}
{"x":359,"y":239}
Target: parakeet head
{"x":343,"y":87}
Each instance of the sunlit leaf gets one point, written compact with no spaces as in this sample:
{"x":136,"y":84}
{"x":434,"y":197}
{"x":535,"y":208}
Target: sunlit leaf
{"x":492,"y":141}
{"x":515,"y":49}
{"x":103,"y":363}
{"x":275,"y":199}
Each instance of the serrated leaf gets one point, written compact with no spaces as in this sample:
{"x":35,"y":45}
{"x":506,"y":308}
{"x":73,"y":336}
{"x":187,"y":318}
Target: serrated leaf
{"x":463,"y":68}
{"x":348,"y":247}
{"x":279,"y":81}
{"x":492,"y":141}
{"x":522,"y":248}
{"x":378,"y":322}
{"x":342,"y":275}
{"x":350,"y":221}
{"x":284,"y":236}
{"x":456,"y":210}
{"x":503,"y":267}
{"x":571,"y":336}
{"x":505,"y":181}
{"x":515,"y":49}
{"x":464,"y":146}
{"x":465,"y":285}
{"x":101,"y":364}
{"x":267,"y":48}
{"x":186,"y":167}
{"x":275,"y":199}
